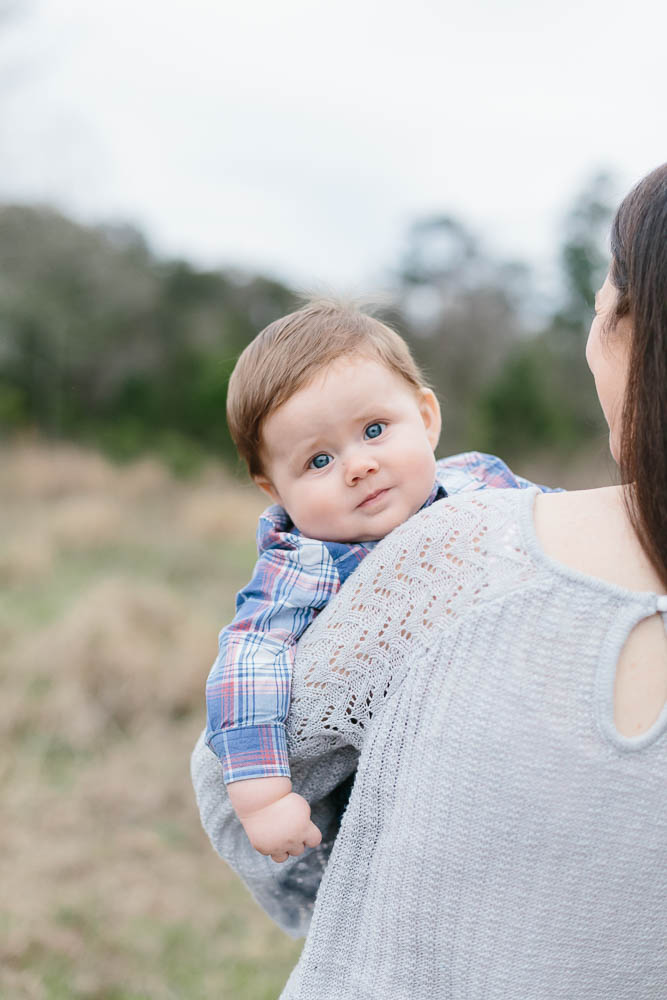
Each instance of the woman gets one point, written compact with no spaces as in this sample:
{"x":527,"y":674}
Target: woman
{"x":497,"y":671}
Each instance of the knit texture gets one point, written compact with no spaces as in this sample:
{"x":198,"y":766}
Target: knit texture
{"x":501,"y":839}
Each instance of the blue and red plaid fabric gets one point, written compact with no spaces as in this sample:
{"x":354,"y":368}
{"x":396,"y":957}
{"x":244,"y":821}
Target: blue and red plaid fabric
{"x":248,"y":688}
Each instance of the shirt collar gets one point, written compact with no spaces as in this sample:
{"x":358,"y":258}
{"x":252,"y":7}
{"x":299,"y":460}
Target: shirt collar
{"x":437,"y":493}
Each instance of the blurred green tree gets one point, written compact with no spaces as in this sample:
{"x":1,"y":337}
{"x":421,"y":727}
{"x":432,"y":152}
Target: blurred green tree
{"x":584,"y":255}
{"x":462,"y":315}
{"x":543,"y":397}
{"x":101,"y":340}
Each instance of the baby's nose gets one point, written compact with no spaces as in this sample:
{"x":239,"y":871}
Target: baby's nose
{"x":358,"y":467}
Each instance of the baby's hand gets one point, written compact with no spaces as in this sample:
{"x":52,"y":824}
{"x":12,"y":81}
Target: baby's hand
{"x":282,"y":828}
{"x":276,"y":819}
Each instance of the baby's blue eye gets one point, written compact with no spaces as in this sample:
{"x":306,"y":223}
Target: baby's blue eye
{"x":320,"y":461}
{"x":374,"y":430}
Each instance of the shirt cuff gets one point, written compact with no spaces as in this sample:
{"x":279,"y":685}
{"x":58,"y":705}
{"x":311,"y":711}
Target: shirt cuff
{"x":251,"y":752}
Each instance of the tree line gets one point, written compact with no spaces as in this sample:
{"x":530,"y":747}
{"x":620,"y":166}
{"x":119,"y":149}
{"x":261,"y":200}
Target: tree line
{"x":104,"y":342}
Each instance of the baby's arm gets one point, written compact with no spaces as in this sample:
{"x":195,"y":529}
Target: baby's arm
{"x":248,"y":691}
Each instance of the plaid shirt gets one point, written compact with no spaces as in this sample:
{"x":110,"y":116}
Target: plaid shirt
{"x":248,"y":688}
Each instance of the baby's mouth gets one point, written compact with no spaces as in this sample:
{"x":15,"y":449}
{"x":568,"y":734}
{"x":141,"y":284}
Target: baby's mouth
{"x":373,"y":496}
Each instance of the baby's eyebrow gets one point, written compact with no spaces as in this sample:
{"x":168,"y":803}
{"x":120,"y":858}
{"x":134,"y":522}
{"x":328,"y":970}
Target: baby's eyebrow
{"x":304,"y":450}
{"x":307,"y":445}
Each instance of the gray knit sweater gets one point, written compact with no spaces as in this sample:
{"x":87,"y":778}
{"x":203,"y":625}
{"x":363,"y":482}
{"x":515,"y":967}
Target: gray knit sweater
{"x":502,"y":840}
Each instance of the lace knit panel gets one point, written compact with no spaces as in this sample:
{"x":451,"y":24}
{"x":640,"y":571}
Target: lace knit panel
{"x":408,"y":601}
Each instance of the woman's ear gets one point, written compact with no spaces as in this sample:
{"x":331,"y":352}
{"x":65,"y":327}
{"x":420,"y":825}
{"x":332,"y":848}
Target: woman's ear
{"x":266,"y":486}
{"x":429,"y":407}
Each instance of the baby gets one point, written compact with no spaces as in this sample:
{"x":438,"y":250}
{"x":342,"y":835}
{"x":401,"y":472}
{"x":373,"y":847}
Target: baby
{"x":336,"y":425}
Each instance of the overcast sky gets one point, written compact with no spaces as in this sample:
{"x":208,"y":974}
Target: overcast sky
{"x":302,"y":138}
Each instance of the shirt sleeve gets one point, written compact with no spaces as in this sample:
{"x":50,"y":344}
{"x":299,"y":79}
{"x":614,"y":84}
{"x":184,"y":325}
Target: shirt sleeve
{"x":248,"y":688}
{"x":475,"y":470}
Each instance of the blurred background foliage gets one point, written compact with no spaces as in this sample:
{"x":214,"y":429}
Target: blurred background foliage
{"x":104,"y":343}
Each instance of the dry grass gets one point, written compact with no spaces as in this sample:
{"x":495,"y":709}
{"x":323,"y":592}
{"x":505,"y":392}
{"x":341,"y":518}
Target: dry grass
{"x":114,"y":584}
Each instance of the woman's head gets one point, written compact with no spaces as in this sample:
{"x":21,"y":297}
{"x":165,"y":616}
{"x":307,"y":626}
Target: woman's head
{"x":608,"y":356}
{"x":627,"y":351}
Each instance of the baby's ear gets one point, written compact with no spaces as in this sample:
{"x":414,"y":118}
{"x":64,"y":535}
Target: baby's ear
{"x":266,"y":486}
{"x":429,"y":407}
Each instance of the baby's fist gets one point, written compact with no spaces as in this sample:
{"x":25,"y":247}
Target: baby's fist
{"x":282,"y":828}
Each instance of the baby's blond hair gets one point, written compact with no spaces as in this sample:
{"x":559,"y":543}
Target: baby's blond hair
{"x":288,"y":353}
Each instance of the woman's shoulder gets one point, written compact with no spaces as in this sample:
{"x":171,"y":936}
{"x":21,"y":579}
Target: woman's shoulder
{"x":589,"y":531}
{"x":466,"y":517}
{"x":465,"y":546}
{"x":420,"y":581}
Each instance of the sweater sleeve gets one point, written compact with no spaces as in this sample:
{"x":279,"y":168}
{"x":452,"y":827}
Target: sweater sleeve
{"x":385,"y":621}
{"x":350,"y":662}
{"x":325,"y":729}
{"x":287,"y":891}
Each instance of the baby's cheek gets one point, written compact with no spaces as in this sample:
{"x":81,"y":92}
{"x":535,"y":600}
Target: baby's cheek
{"x":323,"y":516}
{"x":423,"y":468}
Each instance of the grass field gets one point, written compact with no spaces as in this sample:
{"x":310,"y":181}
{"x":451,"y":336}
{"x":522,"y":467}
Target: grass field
{"x":113,"y":584}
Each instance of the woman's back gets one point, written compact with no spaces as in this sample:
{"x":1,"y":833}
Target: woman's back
{"x":502,"y":838}
{"x":589,"y":531}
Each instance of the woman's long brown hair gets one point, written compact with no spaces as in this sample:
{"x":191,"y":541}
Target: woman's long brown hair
{"x":639,"y":274}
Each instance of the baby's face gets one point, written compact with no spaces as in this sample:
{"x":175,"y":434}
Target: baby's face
{"x":350,"y":456}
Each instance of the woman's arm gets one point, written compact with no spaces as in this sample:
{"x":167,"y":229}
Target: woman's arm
{"x":349,"y":662}
{"x":285,"y":891}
